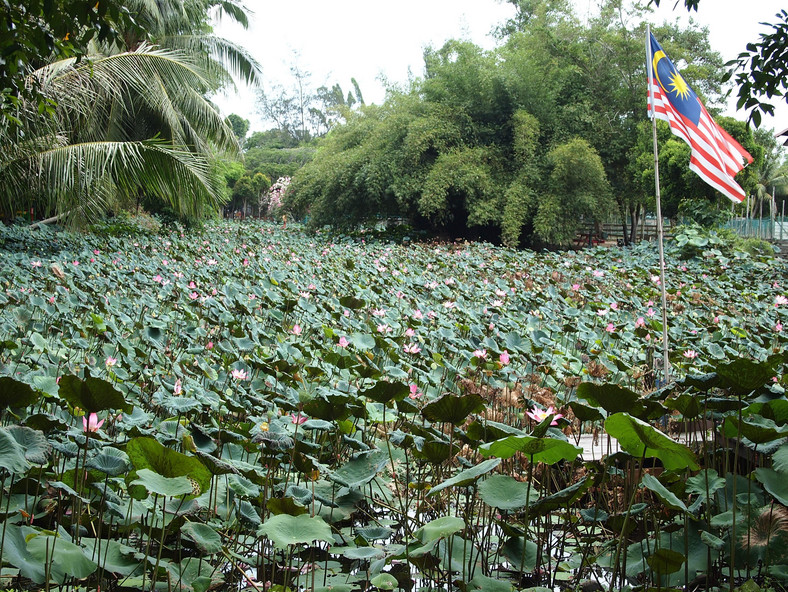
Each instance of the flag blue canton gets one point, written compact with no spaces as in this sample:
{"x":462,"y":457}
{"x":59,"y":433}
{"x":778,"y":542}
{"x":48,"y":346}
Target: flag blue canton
{"x":681,"y":96}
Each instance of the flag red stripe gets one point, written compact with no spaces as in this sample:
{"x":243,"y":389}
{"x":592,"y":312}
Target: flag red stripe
{"x":715,"y":156}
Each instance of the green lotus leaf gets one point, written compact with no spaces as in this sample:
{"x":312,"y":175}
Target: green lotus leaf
{"x":482,"y":583}
{"x":642,"y":440}
{"x":92,"y":394}
{"x":384,"y":581}
{"x":374,"y":533}
{"x":12,"y":454}
{"x":453,"y":409}
{"x":205,"y":537}
{"x":360,"y":470}
{"x":16,"y":553}
{"x":665,"y":561}
{"x":467,"y":476}
{"x":14,"y":393}
{"x":561,"y":499}
{"x":505,"y":492}
{"x":285,"y":530}
{"x":384,"y":391}
{"x":439,"y":528}
{"x":663,"y":493}
{"x":363,"y":553}
{"x":160,"y":485}
{"x":546,"y":450}
{"x":521,"y":554}
{"x":613,"y":398}
{"x":64,"y":559}
{"x":116,"y":557}
{"x":285,"y":505}
{"x":34,"y":443}
{"x":757,"y":430}
{"x":111,"y":461}
{"x":743,"y":376}
{"x":773,"y":482}
{"x":148,"y":453}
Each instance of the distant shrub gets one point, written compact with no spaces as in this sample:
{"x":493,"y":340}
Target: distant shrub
{"x":126,"y":223}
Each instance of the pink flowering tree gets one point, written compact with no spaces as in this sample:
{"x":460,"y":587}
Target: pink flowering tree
{"x":272,"y":201}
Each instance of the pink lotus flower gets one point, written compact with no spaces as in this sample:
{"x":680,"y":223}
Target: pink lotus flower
{"x":539,"y":415}
{"x":480,"y":353}
{"x":575,"y":287}
{"x":417,"y":314}
{"x":690,"y":354}
{"x":343,"y":342}
{"x":411,"y":348}
{"x":296,"y":330}
{"x":209,"y":345}
{"x":35,"y":263}
{"x":650,"y":313}
{"x":157,"y":278}
{"x":504,"y":358}
{"x":239,"y":374}
{"x":110,"y":361}
{"x":91,"y":423}
{"x":297,"y":418}
{"x":178,"y":388}
{"x":778,"y":327}
{"x":194,"y":295}
{"x":611,"y":328}
{"x":780,"y":299}
{"x":598,"y":273}
{"x":414,"y":391}
{"x":715,"y":320}
{"x":641,"y":322}
{"x":409,"y":332}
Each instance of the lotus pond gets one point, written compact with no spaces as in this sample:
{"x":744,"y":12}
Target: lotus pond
{"x":251,"y":408}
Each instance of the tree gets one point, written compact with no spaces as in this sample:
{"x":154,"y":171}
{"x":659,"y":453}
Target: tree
{"x":577,"y":184}
{"x":460,"y":154}
{"x":239,"y":126}
{"x":305,"y":113}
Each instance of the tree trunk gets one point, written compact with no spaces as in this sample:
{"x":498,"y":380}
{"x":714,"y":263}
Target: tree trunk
{"x":634,"y":219}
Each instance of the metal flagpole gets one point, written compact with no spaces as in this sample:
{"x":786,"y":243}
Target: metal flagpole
{"x":660,"y":230}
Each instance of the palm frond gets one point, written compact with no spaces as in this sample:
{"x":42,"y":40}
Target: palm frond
{"x":84,"y":176}
{"x":235,"y":10}
{"x":222,"y":57}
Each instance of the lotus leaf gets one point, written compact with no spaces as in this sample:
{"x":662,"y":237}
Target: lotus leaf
{"x":642,"y":440}
{"x":467,"y":476}
{"x":546,"y":450}
{"x":285,"y":530}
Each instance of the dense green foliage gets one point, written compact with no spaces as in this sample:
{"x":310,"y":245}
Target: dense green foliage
{"x":245,"y":404}
{"x":523,"y":144}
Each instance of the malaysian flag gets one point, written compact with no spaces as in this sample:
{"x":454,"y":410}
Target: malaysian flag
{"x":716,"y":157}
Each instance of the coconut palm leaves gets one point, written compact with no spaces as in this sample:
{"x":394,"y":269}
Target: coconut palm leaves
{"x":123,"y":124}
{"x":130,"y":121}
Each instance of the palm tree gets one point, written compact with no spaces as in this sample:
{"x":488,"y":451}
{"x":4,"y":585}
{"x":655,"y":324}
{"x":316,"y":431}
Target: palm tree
{"x":127,"y":123}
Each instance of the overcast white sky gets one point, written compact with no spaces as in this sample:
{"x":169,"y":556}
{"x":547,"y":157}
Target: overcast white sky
{"x":341,"y":39}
